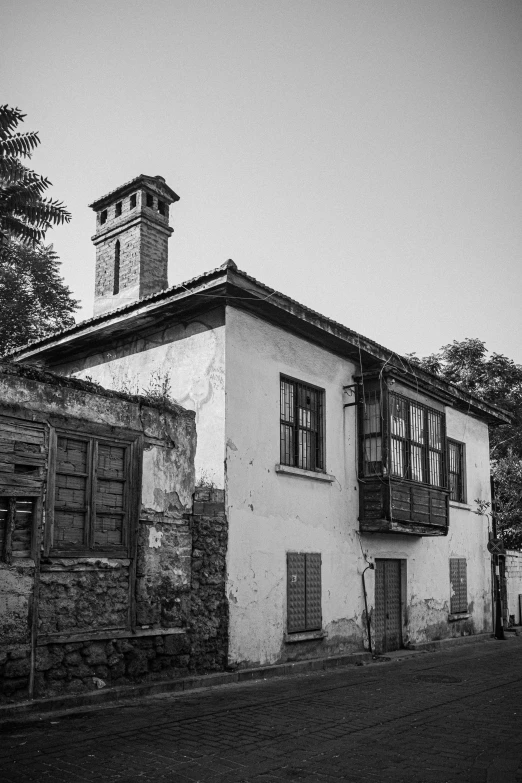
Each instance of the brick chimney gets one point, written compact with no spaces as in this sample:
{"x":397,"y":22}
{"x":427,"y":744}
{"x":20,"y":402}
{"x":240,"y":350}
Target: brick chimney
{"x":132,"y":232}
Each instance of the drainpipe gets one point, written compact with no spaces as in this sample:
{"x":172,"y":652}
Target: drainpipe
{"x":371,"y":567}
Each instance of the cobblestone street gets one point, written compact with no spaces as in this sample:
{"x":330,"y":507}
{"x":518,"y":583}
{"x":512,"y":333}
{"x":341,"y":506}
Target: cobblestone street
{"x":454,"y":715}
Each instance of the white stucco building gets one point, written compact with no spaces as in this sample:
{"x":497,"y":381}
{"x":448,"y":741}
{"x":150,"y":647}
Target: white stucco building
{"x":338,"y":458}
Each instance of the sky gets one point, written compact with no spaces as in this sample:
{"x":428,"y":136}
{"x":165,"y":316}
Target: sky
{"x":364,"y":158}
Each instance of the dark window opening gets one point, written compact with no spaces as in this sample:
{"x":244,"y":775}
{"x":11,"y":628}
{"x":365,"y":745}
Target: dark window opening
{"x":103,"y":217}
{"x":150,"y":201}
{"x":28,"y":470}
{"x":458,"y":585}
{"x":372,"y":434}
{"x":456,"y":471}
{"x":161,"y":207}
{"x":302,"y":425}
{"x":117,"y":211}
{"x":132,"y":203}
{"x":91,"y":505}
{"x":16,"y":527}
{"x":303,"y":592}
{"x":116,"y":281}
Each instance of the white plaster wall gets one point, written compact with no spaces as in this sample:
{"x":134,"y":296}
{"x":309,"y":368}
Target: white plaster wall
{"x":428,"y":578}
{"x":270,"y":514}
{"x":193,"y":356}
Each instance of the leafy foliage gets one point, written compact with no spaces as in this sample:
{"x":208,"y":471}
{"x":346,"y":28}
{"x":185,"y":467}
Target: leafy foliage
{"x":34,"y":301}
{"x":498,"y":380}
{"x":24,"y":213}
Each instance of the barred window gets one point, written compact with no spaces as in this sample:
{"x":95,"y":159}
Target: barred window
{"x":372,"y":434}
{"x":456,"y":471}
{"x":91,"y":495}
{"x":302,"y":425}
{"x":416,"y":441}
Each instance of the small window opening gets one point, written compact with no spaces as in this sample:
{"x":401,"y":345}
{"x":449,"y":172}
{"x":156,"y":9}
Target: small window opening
{"x":150,"y":201}
{"x":116,"y":285}
{"x":118,"y":209}
{"x":133,"y":201}
{"x":161,"y":207}
{"x":103,"y":217}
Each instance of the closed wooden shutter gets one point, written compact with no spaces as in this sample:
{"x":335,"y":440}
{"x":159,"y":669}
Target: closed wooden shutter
{"x":296,"y":592}
{"x":314,"y":617}
{"x":303,"y":592}
{"x":459,"y":585}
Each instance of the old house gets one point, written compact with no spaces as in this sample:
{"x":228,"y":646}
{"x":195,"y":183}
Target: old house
{"x":349,"y":475}
{"x":98,"y":541}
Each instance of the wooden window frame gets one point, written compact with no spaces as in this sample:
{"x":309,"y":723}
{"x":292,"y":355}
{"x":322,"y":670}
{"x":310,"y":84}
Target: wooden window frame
{"x":403,"y":440}
{"x":291,"y":456}
{"x":460,"y":474}
{"x":131,"y":496}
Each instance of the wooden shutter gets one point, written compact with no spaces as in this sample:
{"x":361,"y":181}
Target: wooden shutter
{"x":459,"y":585}
{"x":296,"y":592}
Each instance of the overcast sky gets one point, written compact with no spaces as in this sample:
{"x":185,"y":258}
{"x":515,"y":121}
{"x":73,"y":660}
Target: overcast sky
{"x":364,"y":158}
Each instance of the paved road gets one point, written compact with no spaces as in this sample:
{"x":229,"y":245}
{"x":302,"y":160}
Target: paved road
{"x":449,"y":716}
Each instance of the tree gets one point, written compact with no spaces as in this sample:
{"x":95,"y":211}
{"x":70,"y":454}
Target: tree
{"x":498,"y":380}
{"x":24,"y":213}
{"x":34,"y":300}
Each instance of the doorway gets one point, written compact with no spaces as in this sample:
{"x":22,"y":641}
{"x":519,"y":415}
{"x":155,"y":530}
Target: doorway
{"x":389,"y":578}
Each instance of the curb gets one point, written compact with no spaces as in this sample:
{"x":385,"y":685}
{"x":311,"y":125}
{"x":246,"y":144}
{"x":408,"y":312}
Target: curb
{"x":454,"y":641}
{"x":131,"y":692}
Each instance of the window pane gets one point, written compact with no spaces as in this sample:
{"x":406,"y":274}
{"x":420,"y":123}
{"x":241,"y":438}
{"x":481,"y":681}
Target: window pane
{"x":287,"y":401}
{"x":287,"y":445}
{"x":397,"y":457}
{"x":372,"y":417}
{"x":416,"y":423}
{"x":373,"y":456}
{"x":435,"y":430}
{"x":398,"y":416}
{"x":306,"y":448}
{"x":417,"y":471}
{"x":435,"y":468}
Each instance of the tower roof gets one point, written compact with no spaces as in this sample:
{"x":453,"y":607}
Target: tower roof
{"x":157,"y":184}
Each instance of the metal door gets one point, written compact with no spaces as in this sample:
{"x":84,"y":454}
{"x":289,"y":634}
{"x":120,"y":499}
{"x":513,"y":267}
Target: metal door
{"x":388,"y":606}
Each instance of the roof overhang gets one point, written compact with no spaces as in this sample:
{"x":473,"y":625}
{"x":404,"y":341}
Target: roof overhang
{"x":229,"y":286}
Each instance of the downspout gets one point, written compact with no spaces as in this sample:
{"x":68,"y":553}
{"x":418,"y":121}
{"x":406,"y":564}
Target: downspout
{"x":371,"y":567}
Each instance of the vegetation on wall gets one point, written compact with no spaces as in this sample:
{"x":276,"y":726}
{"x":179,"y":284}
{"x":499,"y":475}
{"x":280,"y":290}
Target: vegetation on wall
{"x":498,"y":380}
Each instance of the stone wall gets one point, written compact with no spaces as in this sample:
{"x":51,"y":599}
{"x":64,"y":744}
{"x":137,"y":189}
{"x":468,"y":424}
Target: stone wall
{"x":208,"y":627}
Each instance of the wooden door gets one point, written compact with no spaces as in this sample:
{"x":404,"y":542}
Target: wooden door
{"x":388,"y":606}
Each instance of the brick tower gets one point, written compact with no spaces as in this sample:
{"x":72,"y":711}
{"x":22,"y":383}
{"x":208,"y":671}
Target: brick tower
{"x":132,"y":232}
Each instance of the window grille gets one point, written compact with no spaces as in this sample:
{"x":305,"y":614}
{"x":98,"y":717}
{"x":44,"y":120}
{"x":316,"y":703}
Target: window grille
{"x":456,"y":471}
{"x":302,"y":425}
{"x":416,"y":441}
{"x":372,"y":434}
{"x":459,"y":585}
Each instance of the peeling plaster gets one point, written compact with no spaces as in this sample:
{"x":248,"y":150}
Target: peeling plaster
{"x":155,"y":537}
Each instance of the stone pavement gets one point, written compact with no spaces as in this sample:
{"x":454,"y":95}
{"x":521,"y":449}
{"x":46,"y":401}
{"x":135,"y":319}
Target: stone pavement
{"x":454,"y":715}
